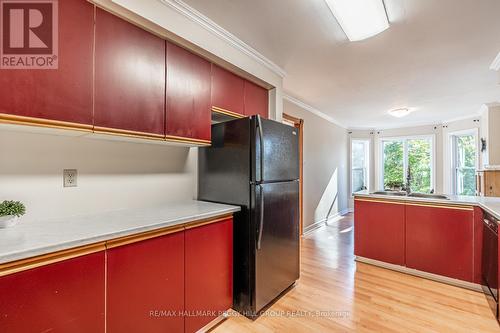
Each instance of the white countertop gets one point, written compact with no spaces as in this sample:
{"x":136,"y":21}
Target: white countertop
{"x":45,"y":236}
{"x":489,"y":204}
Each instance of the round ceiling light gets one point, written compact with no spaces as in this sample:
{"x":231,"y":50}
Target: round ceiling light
{"x":400,"y":112}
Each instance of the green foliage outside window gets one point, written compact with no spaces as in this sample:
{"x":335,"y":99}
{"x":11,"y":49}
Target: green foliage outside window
{"x":466,"y":165}
{"x":419,"y":160}
{"x":393,"y":165}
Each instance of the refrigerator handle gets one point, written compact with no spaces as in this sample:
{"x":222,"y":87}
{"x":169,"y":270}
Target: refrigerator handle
{"x":261,"y":138}
{"x":261,"y":223}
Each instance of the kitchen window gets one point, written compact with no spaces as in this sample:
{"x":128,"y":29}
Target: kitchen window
{"x":464,"y":161}
{"x":360,"y":158}
{"x":411,"y":154}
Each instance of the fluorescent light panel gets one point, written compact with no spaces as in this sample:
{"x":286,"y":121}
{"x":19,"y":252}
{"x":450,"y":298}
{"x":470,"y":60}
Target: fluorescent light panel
{"x":360,"y":19}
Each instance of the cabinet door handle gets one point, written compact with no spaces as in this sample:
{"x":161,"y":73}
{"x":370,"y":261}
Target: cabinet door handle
{"x":261,"y":138}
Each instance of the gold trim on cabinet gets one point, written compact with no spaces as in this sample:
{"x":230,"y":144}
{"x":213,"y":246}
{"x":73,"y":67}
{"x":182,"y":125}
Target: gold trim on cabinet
{"x":38,"y":122}
{"x":181,"y":139}
{"x":388,"y":201}
{"x":227,"y":112}
{"x":127,"y":133}
{"x":50,"y":258}
{"x":416,"y":203}
{"x":200,"y":223}
{"x":143,"y":236}
{"x":438,"y":205}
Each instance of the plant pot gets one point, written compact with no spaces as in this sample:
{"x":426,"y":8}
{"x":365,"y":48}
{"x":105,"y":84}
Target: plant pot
{"x":8,"y":221}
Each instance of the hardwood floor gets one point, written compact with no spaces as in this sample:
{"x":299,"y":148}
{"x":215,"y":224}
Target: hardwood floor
{"x":357,"y":297}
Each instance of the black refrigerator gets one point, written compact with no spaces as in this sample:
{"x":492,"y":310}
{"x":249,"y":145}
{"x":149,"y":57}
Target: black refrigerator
{"x":254,"y":163}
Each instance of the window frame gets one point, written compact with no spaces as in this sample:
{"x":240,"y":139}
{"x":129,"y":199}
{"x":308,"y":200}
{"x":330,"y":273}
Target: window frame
{"x":453,"y":166}
{"x":405,"y":139}
{"x":367,"y":144}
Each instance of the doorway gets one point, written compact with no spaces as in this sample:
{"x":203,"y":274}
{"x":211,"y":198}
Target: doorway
{"x":299,"y":124}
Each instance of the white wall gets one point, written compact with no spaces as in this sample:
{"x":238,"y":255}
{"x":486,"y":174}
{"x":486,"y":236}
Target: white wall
{"x":325,"y":166}
{"x":111,"y":175}
{"x":441,"y":134}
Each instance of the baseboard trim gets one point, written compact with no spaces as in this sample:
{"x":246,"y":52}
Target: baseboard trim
{"x":425,"y":275}
{"x":216,"y":322}
{"x":321,"y":223}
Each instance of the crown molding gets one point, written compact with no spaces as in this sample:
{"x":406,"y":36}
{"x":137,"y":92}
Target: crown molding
{"x":203,"y":21}
{"x":311,"y":109}
{"x":495,"y":65}
{"x":419,"y":124}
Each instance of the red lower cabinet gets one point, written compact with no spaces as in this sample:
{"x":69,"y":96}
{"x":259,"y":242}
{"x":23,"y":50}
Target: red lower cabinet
{"x":478,"y":244}
{"x":379,"y":231}
{"x":209,"y":273}
{"x":62,"y":297}
{"x":439,"y":240}
{"x":145,"y":286}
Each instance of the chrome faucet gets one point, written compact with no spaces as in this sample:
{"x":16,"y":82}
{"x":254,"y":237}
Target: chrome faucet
{"x":408,"y":181}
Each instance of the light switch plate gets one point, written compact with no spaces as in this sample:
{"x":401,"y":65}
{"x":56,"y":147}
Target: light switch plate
{"x":70,"y":177}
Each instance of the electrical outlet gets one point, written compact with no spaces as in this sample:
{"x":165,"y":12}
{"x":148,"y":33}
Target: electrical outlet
{"x":70,"y":177}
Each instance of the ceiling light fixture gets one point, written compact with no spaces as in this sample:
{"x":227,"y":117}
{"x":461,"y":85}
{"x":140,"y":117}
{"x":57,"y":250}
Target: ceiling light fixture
{"x":360,"y":19}
{"x":399,"y":113}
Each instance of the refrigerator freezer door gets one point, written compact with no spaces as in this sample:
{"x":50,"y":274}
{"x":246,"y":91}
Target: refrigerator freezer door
{"x":281,"y":151}
{"x":224,"y":168}
{"x":277,"y":259}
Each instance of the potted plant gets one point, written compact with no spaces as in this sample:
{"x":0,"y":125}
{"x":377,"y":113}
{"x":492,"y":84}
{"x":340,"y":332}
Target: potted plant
{"x":10,"y":211}
{"x":394,"y":185}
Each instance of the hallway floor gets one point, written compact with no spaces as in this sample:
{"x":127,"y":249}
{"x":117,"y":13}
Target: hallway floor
{"x":336,"y":294}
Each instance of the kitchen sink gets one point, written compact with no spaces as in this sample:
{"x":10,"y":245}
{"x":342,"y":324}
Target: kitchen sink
{"x":413,"y":195}
{"x":428,"y":196}
{"x":396,"y":193}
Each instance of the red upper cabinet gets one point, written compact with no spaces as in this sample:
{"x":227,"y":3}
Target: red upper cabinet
{"x":129,"y":77}
{"x":63,"y":94}
{"x":439,"y":240}
{"x":145,"y":286}
{"x":188,"y":94}
{"x":379,"y":230}
{"x":256,"y":100}
{"x":67,"y":296}
{"x":209,"y":273}
{"x":227,"y":91}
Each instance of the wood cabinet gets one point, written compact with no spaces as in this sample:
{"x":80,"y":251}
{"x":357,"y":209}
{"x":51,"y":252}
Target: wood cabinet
{"x":209,"y":273}
{"x":188,"y":94}
{"x":63,"y":94}
{"x":145,"y":285}
{"x":256,"y":100}
{"x":228,"y":91}
{"x":439,"y":240}
{"x":380,"y":230}
{"x":488,"y":183}
{"x":61,"y":297}
{"x":129,"y":78}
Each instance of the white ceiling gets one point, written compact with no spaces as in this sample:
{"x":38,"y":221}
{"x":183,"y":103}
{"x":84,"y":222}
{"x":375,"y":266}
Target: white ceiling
{"x":434,"y":58}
